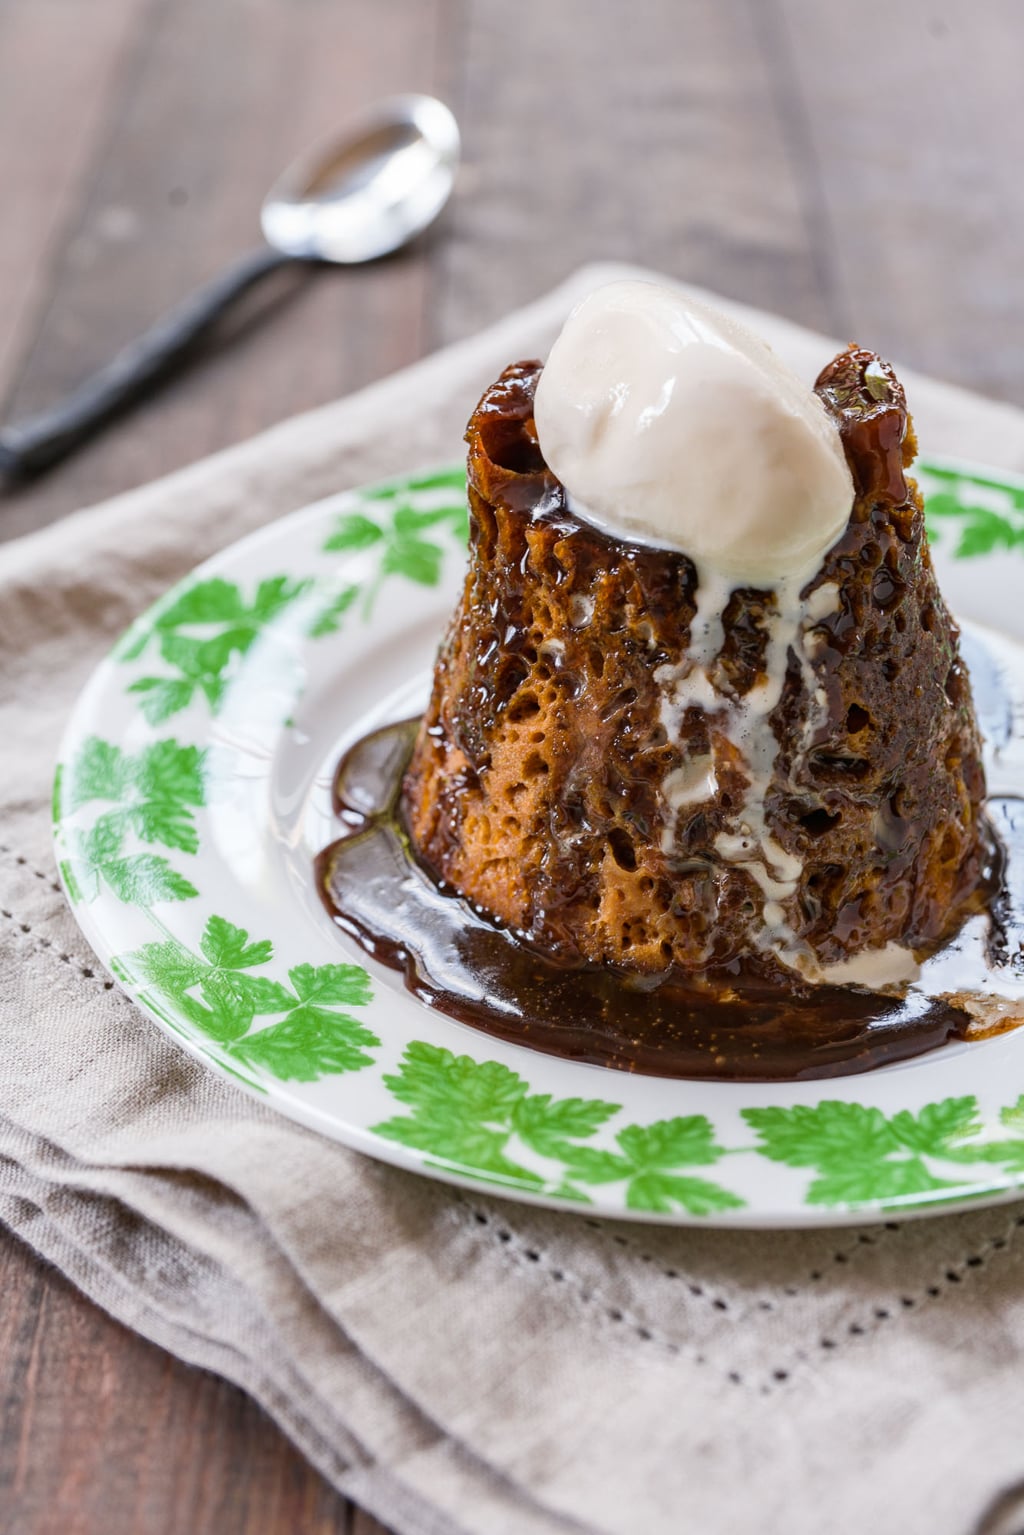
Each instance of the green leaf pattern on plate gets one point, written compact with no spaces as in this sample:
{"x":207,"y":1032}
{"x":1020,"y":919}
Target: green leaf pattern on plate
{"x":397,"y":524}
{"x":861,"y":1156}
{"x":984,"y":515}
{"x":214,"y":992}
{"x":200,"y":634}
{"x":480,"y":1117}
{"x":153,"y":798}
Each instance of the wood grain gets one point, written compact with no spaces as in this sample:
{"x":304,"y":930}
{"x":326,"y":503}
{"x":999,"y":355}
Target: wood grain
{"x":654,"y":138}
{"x":101,"y":1433}
{"x":856,"y":173}
{"x":60,"y":64}
{"x":915,"y":120}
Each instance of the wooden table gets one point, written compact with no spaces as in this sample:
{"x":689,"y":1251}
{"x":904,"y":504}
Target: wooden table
{"x":856,"y":168}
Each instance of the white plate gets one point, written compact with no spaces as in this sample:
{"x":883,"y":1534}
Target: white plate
{"x":194,"y":791}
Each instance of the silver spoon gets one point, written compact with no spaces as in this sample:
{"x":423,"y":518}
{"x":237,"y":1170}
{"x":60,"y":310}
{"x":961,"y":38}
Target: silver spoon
{"x":364,"y":195}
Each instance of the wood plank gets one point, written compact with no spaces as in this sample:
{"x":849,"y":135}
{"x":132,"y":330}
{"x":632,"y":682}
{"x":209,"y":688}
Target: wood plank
{"x":60,"y":64}
{"x":915,"y":118}
{"x":653,"y":135}
{"x":220,"y":99}
{"x":102,"y":1433}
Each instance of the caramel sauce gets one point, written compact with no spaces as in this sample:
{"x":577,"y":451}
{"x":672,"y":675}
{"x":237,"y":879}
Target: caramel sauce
{"x":729,"y":1024}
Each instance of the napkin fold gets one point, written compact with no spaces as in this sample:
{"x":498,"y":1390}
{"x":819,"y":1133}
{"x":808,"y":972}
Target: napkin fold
{"x":452,"y":1361}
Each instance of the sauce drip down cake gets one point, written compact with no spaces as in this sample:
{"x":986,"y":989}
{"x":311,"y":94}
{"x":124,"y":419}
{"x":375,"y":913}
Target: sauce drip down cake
{"x":701,"y":707}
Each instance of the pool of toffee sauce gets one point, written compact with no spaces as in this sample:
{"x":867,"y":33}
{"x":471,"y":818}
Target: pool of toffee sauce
{"x":456,"y":959}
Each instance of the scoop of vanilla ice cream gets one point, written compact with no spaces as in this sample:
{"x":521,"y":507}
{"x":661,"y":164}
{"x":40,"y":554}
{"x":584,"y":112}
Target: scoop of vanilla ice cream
{"x":671,"y":424}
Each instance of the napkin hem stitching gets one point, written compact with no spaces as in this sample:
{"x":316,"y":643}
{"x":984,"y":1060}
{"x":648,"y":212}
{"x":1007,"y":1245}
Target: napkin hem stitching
{"x":957,"y":1271}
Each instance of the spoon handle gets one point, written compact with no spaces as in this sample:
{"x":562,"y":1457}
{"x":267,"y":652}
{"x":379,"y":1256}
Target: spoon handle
{"x":29,"y":446}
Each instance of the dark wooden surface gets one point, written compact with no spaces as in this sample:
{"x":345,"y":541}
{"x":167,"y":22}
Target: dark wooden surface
{"x":856,"y":168}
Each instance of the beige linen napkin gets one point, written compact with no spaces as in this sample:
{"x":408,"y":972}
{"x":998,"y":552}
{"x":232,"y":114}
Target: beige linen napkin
{"x":452,"y":1361}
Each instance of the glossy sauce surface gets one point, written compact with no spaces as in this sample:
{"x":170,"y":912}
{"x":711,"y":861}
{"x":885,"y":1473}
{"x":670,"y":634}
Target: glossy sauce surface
{"x":729,"y":1025}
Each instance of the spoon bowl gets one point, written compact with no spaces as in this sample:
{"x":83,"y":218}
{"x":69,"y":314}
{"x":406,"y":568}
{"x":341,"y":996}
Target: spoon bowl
{"x":368,"y":193}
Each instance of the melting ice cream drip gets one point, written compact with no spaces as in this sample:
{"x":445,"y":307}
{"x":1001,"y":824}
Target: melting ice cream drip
{"x":745,"y":719}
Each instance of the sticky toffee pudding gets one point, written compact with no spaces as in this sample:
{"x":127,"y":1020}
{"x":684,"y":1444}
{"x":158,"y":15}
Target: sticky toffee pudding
{"x":698,"y":794}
